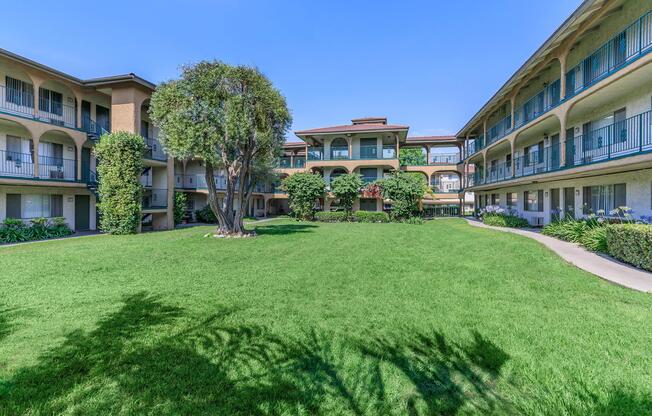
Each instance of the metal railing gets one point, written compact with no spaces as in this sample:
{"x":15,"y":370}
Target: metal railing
{"x":499,"y":130}
{"x":90,"y":126}
{"x":154,"y":150}
{"x":21,"y":103}
{"x":342,"y":153}
{"x":57,"y":114}
{"x":155,"y":198}
{"x":297,"y":162}
{"x":57,"y":168}
{"x":15,"y":164}
{"x":617,"y":52}
{"x":629,"y":137}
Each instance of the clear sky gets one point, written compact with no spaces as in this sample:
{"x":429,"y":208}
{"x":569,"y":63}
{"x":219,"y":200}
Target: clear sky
{"x":428,"y":64}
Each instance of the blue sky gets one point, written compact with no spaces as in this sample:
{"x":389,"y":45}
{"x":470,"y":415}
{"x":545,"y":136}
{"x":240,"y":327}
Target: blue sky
{"x":428,"y":64}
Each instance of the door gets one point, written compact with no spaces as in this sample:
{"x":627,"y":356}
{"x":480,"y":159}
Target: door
{"x":82,"y":212}
{"x":102,"y":116}
{"x":86,"y":115}
{"x":555,"y":207}
{"x":570,"y":147}
{"x":86,"y":164}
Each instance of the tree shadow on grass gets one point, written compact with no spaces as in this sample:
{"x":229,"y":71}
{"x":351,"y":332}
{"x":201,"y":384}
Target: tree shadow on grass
{"x":6,"y":325}
{"x":284,"y":229}
{"x":149,"y":358}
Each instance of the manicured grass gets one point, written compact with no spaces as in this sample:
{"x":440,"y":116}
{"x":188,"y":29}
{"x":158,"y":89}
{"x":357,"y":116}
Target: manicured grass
{"x":440,"y":318}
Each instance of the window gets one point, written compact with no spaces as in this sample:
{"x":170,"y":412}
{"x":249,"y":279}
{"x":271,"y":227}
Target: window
{"x":19,"y":92}
{"x":533,"y":201}
{"x":508,"y":163}
{"x":368,"y":149}
{"x":369,"y":174}
{"x":339,"y":149}
{"x":50,"y":101}
{"x":495,"y":199}
{"x":144,"y":129}
{"x":603,"y":198}
{"x":50,"y":154}
{"x":19,"y":150}
{"x":569,"y":202}
{"x":620,"y":126}
{"x":34,"y":206}
{"x":512,"y":200}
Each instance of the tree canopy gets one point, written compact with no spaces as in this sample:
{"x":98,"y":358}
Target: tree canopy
{"x":231,"y":118}
{"x":347,"y":188}
{"x":412,"y":156}
{"x":304,"y":188}
{"x":405,"y":190}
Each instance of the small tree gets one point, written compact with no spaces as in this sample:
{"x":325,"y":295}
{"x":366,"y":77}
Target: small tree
{"x":303,"y":190}
{"x":231,"y":118}
{"x":180,"y":203}
{"x":411,"y":156}
{"x":347,"y":188}
{"x":120,"y":164}
{"x":405,"y":190}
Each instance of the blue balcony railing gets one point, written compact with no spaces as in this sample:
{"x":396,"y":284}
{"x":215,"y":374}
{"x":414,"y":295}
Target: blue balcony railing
{"x":625,"y":138}
{"x":13,"y":164}
{"x":154,"y":150}
{"x":57,"y":168}
{"x":499,"y":130}
{"x":619,"y":51}
{"x":155,"y":198}
{"x":342,"y":153}
{"x":625,"y":47}
{"x":296,"y":162}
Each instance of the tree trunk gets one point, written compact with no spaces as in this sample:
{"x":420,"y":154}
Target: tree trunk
{"x":225,"y":223}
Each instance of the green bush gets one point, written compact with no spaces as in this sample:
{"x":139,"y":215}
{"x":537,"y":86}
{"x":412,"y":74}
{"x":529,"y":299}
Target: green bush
{"x":180,"y":202}
{"x":414,"y":221}
{"x":120,"y":164}
{"x":631,"y":243}
{"x":303,"y":190}
{"x":16,"y":231}
{"x":504,"y":220}
{"x":595,"y":239}
{"x":206,"y":215}
{"x":332,"y":216}
{"x":370,"y":216}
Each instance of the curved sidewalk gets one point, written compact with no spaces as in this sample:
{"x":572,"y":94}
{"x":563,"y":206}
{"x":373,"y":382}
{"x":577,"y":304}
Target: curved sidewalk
{"x":603,"y":267}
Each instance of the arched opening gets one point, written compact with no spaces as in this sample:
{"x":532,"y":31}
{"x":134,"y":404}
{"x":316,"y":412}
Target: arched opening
{"x":445,"y":182}
{"x":17,"y":95}
{"x":335,"y":173}
{"x":339,"y":149}
{"x":57,"y":156}
{"x":17,"y":155}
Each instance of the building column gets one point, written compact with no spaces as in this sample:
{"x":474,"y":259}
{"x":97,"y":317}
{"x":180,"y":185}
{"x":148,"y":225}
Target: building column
{"x":37,"y":94}
{"x":484,"y":167}
{"x":562,"y":78}
{"x":513,"y":166}
{"x":79,"y":161}
{"x":35,"y":142}
{"x":562,"y":141}
{"x":170,"y":182}
{"x":266,"y":201}
{"x":350,"y":142}
{"x":396,"y":136}
{"x":512,"y":102}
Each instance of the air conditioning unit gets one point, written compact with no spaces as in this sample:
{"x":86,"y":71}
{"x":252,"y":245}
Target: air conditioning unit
{"x":536,"y":222}
{"x":56,"y":174}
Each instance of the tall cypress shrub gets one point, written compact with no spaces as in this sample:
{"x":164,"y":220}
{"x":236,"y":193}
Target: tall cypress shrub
{"x":120,"y":164}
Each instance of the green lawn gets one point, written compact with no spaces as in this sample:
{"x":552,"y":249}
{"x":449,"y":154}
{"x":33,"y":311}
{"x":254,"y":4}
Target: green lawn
{"x":359,"y":319}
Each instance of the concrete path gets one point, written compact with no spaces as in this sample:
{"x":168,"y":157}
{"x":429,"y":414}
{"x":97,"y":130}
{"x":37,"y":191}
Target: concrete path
{"x":602,"y":266}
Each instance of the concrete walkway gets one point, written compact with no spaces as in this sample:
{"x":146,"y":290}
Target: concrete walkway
{"x":602,"y":266}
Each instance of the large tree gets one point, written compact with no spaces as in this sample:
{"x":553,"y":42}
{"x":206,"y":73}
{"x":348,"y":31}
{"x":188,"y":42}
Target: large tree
{"x":231,"y":118}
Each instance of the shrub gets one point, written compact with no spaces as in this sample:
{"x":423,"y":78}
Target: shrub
{"x":595,"y":239}
{"x":405,"y":190}
{"x":206,"y":215}
{"x":370,"y":216}
{"x":303,"y":190}
{"x":16,"y":231}
{"x":346,"y":188}
{"x":631,"y":243}
{"x":120,"y":164}
{"x":180,"y":202}
{"x":504,"y":220}
{"x":330,"y":216}
{"x":414,"y":221}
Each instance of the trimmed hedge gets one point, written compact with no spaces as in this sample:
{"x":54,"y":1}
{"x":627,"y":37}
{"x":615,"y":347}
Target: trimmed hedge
{"x":17,"y":231}
{"x":370,"y":216}
{"x":334,"y":216}
{"x":504,"y":220}
{"x":631,"y":243}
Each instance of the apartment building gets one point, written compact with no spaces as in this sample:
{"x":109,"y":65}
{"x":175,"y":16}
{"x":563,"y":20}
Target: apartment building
{"x":49,"y":122}
{"x":570,"y":133}
{"x":368,"y":146}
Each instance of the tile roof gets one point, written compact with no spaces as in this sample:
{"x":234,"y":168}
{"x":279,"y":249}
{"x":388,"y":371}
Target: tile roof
{"x":352,"y":128}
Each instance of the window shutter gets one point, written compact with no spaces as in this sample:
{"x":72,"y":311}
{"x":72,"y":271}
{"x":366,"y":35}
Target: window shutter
{"x":540,"y":200}
{"x":526,"y":195}
{"x":13,"y":206}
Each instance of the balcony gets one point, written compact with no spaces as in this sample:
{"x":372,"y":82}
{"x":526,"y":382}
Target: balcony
{"x":621,"y":50}
{"x":21,"y":103}
{"x":21,"y":165}
{"x":342,"y":153}
{"x":630,"y":137}
{"x":198,"y":182}
{"x":155,"y":199}
{"x":154,"y":150}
